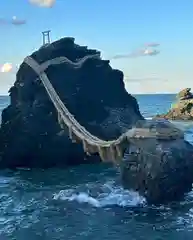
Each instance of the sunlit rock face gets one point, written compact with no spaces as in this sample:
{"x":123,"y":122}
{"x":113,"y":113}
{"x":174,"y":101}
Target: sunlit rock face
{"x":182,"y":109}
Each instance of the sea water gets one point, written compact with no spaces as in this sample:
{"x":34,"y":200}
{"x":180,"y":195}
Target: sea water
{"x":88,"y":202}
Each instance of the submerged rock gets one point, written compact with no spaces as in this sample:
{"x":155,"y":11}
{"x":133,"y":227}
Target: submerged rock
{"x":182,"y":109}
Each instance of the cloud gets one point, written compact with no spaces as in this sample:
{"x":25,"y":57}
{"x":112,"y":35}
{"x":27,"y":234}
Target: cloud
{"x":146,"y":79}
{"x":43,"y":3}
{"x":146,"y":50}
{"x":120,"y":56}
{"x":138,"y":53}
{"x":152,"y":44}
{"x":14,"y":21}
{"x":5,"y":68}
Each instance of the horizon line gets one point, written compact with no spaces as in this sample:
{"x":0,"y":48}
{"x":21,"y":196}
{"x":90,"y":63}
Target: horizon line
{"x":160,"y":93}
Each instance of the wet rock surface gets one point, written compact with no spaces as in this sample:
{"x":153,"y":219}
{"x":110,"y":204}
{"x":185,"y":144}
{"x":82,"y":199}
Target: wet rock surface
{"x":161,"y":170}
{"x":182,"y":109}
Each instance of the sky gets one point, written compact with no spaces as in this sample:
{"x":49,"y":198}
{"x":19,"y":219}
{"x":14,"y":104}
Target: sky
{"x":113,"y":27}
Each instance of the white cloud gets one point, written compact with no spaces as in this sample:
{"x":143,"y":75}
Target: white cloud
{"x":138,"y":53}
{"x":152,"y":44}
{"x":7,"y":67}
{"x":148,"y":49}
{"x":43,"y":3}
{"x":14,"y":21}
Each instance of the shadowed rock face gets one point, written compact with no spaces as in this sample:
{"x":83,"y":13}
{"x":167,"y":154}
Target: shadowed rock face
{"x":92,"y":91}
{"x":182,"y":109}
{"x":161,"y":170}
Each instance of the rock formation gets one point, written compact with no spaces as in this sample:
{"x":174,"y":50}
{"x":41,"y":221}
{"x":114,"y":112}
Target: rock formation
{"x":182,"y":109}
{"x":161,"y":170}
{"x":31,"y":134}
{"x":92,"y":91}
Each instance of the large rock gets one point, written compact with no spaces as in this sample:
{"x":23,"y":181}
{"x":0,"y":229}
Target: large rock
{"x":31,"y":134}
{"x":182,"y":109}
{"x":161,"y":170}
{"x":93,"y":92}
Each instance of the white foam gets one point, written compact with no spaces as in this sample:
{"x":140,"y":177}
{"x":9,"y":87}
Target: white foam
{"x":81,"y":197}
{"x":114,"y":196}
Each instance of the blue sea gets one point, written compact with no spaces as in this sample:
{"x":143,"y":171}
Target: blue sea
{"x":88,"y":202}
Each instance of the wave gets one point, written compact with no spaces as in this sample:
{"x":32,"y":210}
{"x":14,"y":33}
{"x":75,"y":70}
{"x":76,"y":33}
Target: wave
{"x":110,"y":196}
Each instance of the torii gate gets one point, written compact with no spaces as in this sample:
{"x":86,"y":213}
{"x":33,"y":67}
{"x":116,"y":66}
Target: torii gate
{"x":46,"y":37}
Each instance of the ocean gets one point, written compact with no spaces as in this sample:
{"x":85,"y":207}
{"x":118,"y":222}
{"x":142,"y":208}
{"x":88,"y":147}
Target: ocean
{"x":88,"y":202}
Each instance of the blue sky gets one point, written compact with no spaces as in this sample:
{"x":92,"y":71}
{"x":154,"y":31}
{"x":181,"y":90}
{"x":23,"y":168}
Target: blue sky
{"x":114,"y":27}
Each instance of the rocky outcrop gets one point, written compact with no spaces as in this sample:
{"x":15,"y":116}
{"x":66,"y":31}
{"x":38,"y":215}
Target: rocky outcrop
{"x":31,"y":134}
{"x":185,"y":94}
{"x":182,"y":109}
{"x":92,"y":91}
{"x":161,"y":170}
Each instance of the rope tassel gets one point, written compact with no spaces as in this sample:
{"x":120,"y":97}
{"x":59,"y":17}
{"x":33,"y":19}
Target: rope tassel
{"x":102,"y":153}
{"x":86,"y":147}
{"x":72,"y":135}
{"x":113,"y":154}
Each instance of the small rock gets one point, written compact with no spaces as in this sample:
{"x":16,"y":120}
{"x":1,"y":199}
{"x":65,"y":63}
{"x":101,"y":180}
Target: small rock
{"x":182,"y":109}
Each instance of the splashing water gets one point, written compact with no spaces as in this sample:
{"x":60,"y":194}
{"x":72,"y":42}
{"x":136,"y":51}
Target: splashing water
{"x":88,"y":202}
{"x":110,"y":195}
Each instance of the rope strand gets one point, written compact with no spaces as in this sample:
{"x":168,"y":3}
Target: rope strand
{"x":108,"y":150}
